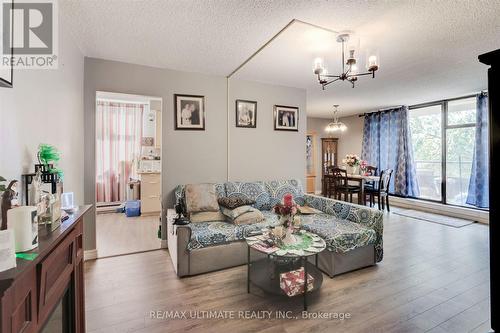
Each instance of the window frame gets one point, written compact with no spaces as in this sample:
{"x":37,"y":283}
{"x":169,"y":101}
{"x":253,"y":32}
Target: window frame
{"x":444,"y":127}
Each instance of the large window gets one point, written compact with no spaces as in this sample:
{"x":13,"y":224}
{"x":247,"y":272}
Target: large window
{"x":443,"y":142}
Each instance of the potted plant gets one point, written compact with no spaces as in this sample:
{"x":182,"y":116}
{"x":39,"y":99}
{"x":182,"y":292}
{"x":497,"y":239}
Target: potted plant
{"x":48,"y":157}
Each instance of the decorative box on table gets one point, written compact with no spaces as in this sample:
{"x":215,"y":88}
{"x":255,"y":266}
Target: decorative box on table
{"x":292,"y":283}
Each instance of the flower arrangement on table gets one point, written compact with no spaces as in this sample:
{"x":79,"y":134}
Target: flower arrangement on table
{"x":287,"y":210}
{"x":362,"y":166}
{"x":351,"y":160}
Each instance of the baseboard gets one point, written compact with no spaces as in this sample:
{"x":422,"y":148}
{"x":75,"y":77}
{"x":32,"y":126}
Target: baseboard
{"x":437,"y":208}
{"x":90,"y":255}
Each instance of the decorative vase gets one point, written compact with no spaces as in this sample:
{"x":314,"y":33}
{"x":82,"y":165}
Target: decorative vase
{"x":289,"y":237}
{"x":352,"y":170}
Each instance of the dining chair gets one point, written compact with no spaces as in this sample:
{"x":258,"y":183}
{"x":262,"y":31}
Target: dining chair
{"x":370,"y":171}
{"x":381,"y":191}
{"x":340,"y":185}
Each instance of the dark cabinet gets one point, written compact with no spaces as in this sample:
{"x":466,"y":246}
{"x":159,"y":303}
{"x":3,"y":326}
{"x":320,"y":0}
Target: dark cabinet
{"x":49,"y":290}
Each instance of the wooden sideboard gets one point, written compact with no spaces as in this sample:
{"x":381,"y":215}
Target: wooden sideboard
{"x":51,"y":285}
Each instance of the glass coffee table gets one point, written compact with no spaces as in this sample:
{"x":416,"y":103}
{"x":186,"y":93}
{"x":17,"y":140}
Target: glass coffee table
{"x":272,"y":272}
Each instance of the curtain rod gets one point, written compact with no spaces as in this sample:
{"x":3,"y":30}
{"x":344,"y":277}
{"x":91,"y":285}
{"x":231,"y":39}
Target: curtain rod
{"x":411,"y":106}
{"x":381,"y":110}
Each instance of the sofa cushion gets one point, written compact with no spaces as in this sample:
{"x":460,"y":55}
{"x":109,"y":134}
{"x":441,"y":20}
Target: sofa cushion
{"x":278,"y":188}
{"x":206,"y":234}
{"x":253,"y":216}
{"x":207,"y":217}
{"x":340,"y":235}
{"x":249,"y":190}
{"x":201,"y":198}
{"x":235,"y":202}
{"x":234,"y":213}
{"x":179,"y":192}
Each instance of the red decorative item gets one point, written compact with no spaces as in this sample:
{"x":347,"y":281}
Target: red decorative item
{"x":292,"y":283}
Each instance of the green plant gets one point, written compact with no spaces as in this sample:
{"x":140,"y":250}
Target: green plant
{"x":48,"y":154}
{"x":2,"y":186}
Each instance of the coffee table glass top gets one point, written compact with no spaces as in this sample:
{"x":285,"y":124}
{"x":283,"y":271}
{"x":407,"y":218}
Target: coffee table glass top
{"x":307,"y":244}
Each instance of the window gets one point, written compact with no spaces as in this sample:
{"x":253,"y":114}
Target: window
{"x":426,"y":128}
{"x":443,"y":143}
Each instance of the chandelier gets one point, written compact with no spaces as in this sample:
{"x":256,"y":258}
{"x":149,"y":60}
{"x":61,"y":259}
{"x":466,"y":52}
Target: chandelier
{"x":349,"y":66}
{"x":335,"y":125}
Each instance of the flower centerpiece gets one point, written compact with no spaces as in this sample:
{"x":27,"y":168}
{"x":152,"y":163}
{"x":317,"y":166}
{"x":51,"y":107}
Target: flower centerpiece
{"x":351,"y":161}
{"x":287,"y":210}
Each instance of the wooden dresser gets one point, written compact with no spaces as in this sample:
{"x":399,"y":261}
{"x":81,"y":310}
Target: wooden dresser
{"x":42,"y":291}
{"x":150,"y":193}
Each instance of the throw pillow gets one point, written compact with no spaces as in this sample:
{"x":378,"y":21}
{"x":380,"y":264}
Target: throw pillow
{"x":250,"y":217}
{"x":234,"y":213}
{"x":207,"y":217}
{"x":235,"y":202}
{"x":201,"y":198}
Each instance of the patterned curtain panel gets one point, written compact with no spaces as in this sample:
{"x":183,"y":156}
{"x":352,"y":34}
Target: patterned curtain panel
{"x":478,"y":194}
{"x":118,"y":147}
{"x":387,"y":145}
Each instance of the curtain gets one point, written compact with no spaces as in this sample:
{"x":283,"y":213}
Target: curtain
{"x":118,"y":147}
{"x":478,"y":194}
{"x":387,"y":145}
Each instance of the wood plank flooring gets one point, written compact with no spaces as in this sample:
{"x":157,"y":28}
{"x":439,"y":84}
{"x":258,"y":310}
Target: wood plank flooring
{"x":118,"y":234}
{"x":433,"y":278}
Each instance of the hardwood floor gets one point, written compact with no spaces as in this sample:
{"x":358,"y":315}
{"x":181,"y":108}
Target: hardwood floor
{"x":433,"y":278}
{"x":118,"y":234}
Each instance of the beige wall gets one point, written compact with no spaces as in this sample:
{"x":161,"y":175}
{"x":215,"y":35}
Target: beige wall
{"x":262,"y":153}
{"x":199,"y":156}
{"x":45,"y":106}
{"x":350,"y":141}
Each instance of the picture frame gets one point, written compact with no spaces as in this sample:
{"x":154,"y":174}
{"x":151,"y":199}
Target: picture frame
{"x":246,"y":113}
{"x":286,"y":118}
{"x":189,"y":112}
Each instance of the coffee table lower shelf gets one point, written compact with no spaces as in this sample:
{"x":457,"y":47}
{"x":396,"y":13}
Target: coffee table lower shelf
{"x":265,"y":274}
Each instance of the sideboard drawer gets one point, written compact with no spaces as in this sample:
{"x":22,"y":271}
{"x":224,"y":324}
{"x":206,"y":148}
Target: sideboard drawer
{"x":55,"y":275}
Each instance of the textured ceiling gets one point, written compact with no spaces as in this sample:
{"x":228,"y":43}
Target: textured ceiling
{"x":428,"y":49}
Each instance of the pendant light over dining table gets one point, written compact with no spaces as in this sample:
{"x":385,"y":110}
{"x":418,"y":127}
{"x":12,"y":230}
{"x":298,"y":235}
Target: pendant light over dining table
{"x":335,"y":125}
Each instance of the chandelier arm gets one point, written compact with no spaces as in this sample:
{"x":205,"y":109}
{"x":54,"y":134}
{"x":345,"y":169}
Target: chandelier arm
{"x":361,"y":74}
{"x":327,"y":83}
{"x":328,"y":75}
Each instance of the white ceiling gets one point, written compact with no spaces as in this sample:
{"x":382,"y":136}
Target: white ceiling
{"x":428,"y":49}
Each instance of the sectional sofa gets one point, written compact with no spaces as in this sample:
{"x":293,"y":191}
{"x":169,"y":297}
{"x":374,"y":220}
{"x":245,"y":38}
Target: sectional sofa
{"x":353,"y":233}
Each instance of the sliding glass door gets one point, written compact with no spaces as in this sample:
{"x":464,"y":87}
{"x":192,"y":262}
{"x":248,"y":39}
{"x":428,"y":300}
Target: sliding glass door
{"x":426,"y":133}
{"x":443,"y":142}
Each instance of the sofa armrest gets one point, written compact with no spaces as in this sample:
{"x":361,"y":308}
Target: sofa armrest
{"x":368,"y":217}
{"x":178,"y":239}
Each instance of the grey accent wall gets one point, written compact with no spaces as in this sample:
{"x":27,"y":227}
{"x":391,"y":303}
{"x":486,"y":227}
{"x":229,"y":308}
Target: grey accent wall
{"x":199,"y":156}
{"x":350,"y":141}
{"x":262,"y":153}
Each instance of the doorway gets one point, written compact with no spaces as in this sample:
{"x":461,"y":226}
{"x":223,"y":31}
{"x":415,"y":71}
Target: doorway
{"x":128,"y":173}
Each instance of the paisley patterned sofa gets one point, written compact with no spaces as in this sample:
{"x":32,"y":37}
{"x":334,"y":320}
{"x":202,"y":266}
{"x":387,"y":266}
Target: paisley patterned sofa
{"x":353,"y":233}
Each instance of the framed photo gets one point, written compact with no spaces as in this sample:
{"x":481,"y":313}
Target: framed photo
{"x":246,"y":113}
{"x":286,"y":118}
{"x":189,"y":112}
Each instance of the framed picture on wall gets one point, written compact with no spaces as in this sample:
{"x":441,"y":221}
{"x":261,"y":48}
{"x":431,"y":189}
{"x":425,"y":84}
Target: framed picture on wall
{"x":286,"y":118}
{"x":246,"y":113}
{"x":189,"y":112}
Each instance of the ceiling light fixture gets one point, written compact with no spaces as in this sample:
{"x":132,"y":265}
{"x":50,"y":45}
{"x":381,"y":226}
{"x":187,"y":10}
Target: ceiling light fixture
{"x":349,"y":66}
{"x":335,"y":125}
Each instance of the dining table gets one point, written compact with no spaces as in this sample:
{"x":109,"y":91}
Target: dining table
{"x":360,"y":179}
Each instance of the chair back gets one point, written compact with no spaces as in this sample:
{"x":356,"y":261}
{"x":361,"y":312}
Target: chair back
{"x":385,"y":179}
{"x":371,"y":170}
{"x":339,"y":176}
